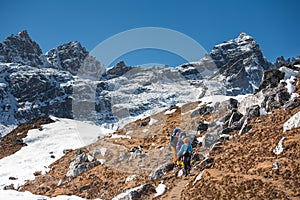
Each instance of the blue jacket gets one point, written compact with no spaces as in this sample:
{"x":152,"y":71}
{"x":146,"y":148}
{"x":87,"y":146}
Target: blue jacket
{"x":185,"y":148}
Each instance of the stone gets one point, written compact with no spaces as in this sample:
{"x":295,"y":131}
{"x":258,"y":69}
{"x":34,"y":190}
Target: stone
{"x":201,"y":126}
{"x":136,"y":193}
{"x":210,"y":139}
{"x":80,"y":164}
{"x":270,"y":79}
{"x":294,"y":103}
{"x":253,"y":112}
{"x":202,"y":111}
{"x":160,"y":171}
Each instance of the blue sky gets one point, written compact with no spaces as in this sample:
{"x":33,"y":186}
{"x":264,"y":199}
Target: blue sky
{"x":273,"y":24}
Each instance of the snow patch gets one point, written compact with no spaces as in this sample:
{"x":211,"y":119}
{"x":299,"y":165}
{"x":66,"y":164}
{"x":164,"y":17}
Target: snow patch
{"x":115,"y":136}
{"x":199,"y":176}
{"x":168,"y":112}
{"x":152,"y":121}
{"x":161,"y":188}
{"x":15,"y":195}
{"x":279,"y":148}
{"x":103,"y":151}
{"x":262,"y":112}
{"x":293,"y":122}
{"x":130,"y":178}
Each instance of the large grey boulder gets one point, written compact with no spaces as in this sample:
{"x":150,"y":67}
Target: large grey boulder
{"x":81,"y":163}
{"x":160,"y":171}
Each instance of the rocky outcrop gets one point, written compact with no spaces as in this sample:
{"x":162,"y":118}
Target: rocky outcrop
{"x":21,"y":49}
{"x":136,"y":193}
{"x":160,"y":171}
{"x":81,"y":163}
{"x":118,"y":70}
{"x":72,"y":57}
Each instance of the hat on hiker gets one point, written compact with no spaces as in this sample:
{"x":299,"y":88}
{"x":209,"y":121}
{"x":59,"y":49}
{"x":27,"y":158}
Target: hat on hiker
{"x":176,"y":130}
{"x":184,"y":138}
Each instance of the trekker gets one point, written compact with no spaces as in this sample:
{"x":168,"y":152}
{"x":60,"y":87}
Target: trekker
{"x":180,"y":142}
{"x":173,"y":142}
{"x":186,"y":151}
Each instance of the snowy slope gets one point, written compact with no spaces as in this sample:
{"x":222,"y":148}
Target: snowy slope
{"x":44,"y":147}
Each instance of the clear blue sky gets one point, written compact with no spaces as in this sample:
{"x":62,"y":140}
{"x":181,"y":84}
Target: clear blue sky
{"x":275,"y":25}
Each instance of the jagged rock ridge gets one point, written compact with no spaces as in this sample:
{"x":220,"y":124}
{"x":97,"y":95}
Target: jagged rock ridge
{"x":67,"y":77}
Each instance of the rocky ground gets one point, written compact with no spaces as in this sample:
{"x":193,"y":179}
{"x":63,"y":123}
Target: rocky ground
{"x":245,"y":167}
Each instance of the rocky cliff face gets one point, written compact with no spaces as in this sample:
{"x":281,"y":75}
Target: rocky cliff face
{"x":21,"y":49}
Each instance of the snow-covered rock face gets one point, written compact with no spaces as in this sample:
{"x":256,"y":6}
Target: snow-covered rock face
{"x":68,"y":82}
{"x":21,"y":49}
{"x":241,"y":63}
{"x":67,"y":57}
{"x":30,"y":92}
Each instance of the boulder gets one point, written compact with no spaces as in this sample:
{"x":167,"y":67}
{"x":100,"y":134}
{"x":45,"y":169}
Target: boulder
{"x":160,"y":171}
{"x":136,"y":193}
{"x":202,"y":111}
{"x":270,"y":79}
{"x":201,"y":126}
{"x":80,"y":163}
{"x":253,"y":112}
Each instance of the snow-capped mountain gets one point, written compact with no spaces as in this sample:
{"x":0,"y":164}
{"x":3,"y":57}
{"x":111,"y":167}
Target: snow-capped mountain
{"x":237,"y":66}
{"x":21,"y":49}
{"x":68,"y":82}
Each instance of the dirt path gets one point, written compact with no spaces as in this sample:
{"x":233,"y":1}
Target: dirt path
{"x":175,"y":192}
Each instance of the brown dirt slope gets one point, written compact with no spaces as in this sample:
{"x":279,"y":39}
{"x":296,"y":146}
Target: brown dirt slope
{"x":243,"y":168}
{"x":247,"y":168}
{"x":12,"y":142}
{"x":107,"y":180}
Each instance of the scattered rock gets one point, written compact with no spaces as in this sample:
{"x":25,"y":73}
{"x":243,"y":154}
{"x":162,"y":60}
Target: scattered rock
{"x":201,"y":126}
{"x":253,"y":112}
{"x":9,"y":187}
{"x":80,"y":164}
{"x":61,"y":182}
{"x":136,"y":193}
{"x":202,"y":111}
{"x":290,"y":105}
{"x":19,"y":142}
{"x":270,"y":79}
{"x":86,"y":187}
{"x":233,"y":104}
{"x":276,"y":165}
{"x":65,"y":151}
{"x":210,"y":139}
{"x":37,"y":173}
{"x":12,"y":178}
{"x":161,"y":171}
{"x":130,"y":178}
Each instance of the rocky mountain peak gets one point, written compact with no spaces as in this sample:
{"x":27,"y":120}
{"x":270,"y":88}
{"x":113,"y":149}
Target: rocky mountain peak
{"x":69,"y":57}
{"x":20,"y":49}
{"x":240,"y":59}
{"x":244,"y":37}
{"x":118,"y":70}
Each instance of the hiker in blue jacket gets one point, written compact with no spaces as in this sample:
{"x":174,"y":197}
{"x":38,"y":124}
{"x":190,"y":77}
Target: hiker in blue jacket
{"x":186,"y":151}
